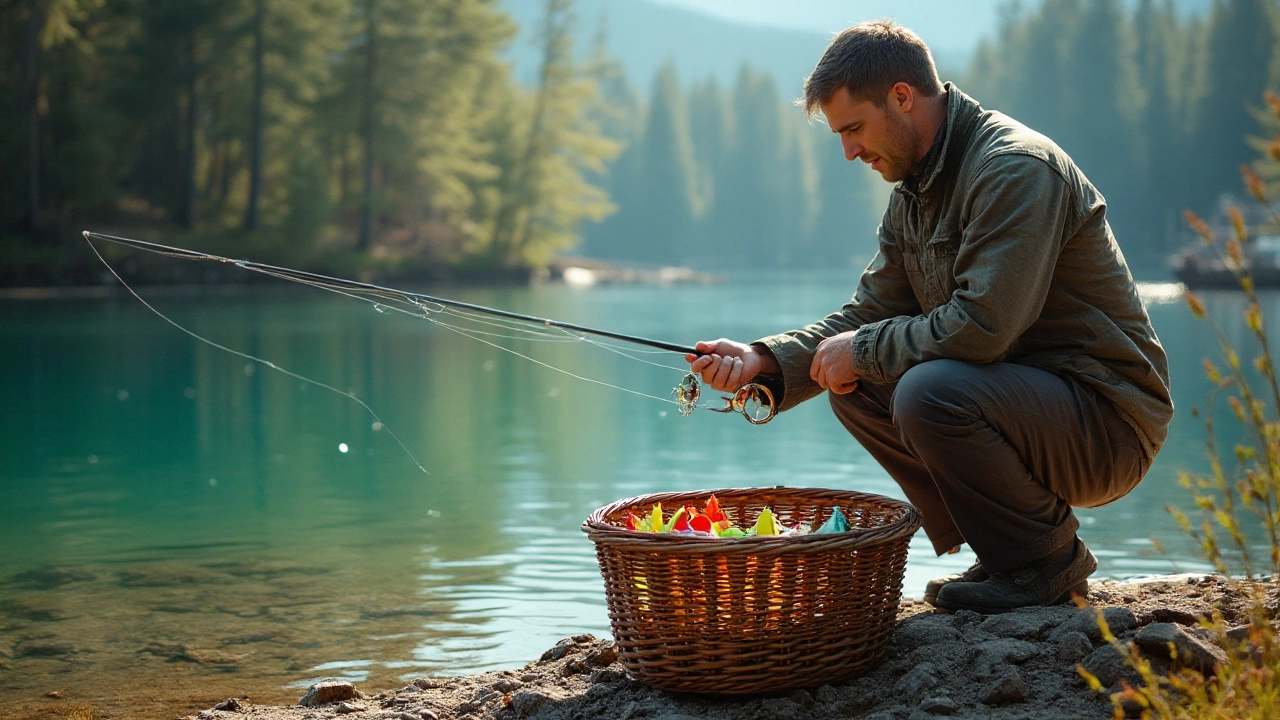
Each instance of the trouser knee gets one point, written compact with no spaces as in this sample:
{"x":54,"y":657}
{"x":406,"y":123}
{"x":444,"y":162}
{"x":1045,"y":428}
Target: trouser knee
{"x":929,"y":396}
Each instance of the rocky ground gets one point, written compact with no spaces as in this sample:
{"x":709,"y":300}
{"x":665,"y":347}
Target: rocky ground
{"x":964,"y":665}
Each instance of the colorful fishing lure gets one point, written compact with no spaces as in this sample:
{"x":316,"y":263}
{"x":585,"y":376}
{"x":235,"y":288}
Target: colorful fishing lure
{"x":711,"y":521}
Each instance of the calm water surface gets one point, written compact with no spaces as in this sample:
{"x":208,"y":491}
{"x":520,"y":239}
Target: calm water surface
{"x":180,"y":525}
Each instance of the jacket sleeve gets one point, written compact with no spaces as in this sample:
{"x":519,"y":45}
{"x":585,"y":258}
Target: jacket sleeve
{"x":1018,"y":208}
{"x":883,"y":292}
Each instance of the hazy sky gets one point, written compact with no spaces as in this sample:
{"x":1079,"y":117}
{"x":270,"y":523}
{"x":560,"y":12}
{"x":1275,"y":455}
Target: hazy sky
{"x":950,"y":25}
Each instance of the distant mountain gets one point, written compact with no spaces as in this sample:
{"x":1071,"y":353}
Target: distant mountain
{"x":643,"y":35}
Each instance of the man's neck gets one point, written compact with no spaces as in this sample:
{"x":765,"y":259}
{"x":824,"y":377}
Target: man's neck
{"x":935,"y":113}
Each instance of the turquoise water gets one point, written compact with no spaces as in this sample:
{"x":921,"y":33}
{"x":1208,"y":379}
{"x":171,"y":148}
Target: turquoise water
{"x":182,"y":524}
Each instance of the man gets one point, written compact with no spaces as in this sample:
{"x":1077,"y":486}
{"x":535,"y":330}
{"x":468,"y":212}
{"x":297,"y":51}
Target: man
{"x":995,"y":357}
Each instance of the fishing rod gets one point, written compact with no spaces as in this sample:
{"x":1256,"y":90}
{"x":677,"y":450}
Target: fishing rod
{"x":369,"y":287}
{"x":754,"y":400}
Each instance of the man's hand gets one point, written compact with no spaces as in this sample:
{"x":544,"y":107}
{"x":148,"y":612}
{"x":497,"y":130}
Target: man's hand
{"x":832,"y":366}
{"x":726,"y":365}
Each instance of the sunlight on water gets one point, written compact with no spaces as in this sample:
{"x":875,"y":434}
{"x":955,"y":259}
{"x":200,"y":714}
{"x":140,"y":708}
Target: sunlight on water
{"x":175,"y":522}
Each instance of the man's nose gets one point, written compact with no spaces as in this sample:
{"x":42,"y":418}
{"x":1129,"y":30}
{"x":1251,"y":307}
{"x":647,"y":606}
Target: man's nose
{"x":852,"y":150}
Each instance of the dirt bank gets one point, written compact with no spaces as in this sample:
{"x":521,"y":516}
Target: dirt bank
{"x":962,"y":665}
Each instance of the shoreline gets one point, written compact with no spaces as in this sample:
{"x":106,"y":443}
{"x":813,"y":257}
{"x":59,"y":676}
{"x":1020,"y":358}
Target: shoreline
{"x":963,"y":665}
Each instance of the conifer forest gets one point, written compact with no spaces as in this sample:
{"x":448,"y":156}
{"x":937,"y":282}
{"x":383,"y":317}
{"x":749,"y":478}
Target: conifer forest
{"x":392,"y":137}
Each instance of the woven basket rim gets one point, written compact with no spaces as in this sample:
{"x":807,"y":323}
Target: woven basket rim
{"x":906,"y":522}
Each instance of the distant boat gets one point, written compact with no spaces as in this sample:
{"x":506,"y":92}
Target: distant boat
{"x":1199,"y":266}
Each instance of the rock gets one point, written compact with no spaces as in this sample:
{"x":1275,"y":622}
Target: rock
{"x":607,"y":675}
{"x":1191,"y":651}
{"x":967,"y":617}
{"x":827,"y":694}
{"x":229,"y":705}
{"x":1073,"y":645}
{"x":346,"y":708}
{"x":925,"y":631}
{"x":1025,"y":623}
{"x":328,"y":691}
{"x":921,"y":679}
{"x":941,"y":705}
{"x":606,"y":655}
{"x":506,"y":685}
{"x":1105,"y":664}
{"x":55,"y":694}
{"x":45,"y":650}
{"x":1119,"y":620}
{"x":780,"y":709}
{"x":989,"y":654}
{"x":1008,"y":687}
{"x":53,"y":577}
{"x":528,"y":702}
{"x":560,"y":649}
{"x":428,"y":715}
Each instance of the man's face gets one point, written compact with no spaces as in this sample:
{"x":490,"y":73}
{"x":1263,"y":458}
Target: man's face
{"x":881,"y":136}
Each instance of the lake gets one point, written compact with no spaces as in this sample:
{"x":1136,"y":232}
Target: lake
{"x":181,"y":525}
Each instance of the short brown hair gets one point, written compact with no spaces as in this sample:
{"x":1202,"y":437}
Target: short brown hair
{"x":869,"y":59}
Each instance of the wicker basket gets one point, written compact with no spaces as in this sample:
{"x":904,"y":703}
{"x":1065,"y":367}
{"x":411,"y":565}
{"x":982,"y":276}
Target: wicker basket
{"x":730,"y":617}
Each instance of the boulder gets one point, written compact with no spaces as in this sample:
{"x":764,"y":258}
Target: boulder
{"x":921,"y":679}
{"x":941,"y":705}
{"x":989,"y":654}
{"x":1105,"y":664}
{"x":1119,"y":620}
{"x":1073,"y":646}
{"x":1026,"y":623}
{"x":1007,"y":687}
{"x":1192,"y":651}
{"x":925,"y":631}
{"x":328,"y":691}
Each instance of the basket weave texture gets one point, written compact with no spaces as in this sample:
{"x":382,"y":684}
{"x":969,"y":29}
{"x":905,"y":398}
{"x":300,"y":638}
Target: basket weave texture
{"x":763,"y":614}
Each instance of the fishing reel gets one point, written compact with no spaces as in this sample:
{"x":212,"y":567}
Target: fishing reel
{"x":754,"y":400}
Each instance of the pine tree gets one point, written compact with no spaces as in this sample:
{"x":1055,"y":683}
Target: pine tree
{"x":1100,"y":99}
{"x":1241,"y":48}
{"x":1155,"y":25}
{"x":656,"y":220}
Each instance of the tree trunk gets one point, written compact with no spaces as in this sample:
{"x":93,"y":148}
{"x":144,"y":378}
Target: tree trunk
{"x":186,"y":215}
{"x":255,"y":133}
{"x":370,"y":97}
{"x":31,"y":105}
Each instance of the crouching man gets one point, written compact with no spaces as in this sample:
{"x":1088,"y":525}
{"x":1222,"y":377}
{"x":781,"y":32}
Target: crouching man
{"x":995,"y":357}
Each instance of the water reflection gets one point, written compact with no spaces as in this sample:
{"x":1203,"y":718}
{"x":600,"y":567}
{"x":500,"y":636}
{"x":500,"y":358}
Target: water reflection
{"x":178,"y":515}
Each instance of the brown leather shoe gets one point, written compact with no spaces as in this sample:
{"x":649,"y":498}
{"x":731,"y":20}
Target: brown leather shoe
{"x":1036,"y":583}
{"x":976,"y":573}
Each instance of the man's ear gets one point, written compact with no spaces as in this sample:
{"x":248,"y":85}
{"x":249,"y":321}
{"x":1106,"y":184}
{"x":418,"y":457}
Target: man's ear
{"x":902,"y":97}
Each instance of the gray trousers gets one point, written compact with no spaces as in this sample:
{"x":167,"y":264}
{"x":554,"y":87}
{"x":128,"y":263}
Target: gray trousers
{"x":995,"y":455}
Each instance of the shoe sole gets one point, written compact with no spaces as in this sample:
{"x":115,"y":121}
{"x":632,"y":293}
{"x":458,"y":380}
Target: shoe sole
{"x":1081,"y":590}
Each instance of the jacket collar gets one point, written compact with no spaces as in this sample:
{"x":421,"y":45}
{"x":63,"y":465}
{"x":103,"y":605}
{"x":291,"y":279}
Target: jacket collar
{"x":946,"y":149}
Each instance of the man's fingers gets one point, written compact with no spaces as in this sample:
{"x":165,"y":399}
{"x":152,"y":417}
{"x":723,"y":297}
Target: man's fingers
{"x":735,"y":375}
{"x":844,"y":388}
{"x":817,"y":370}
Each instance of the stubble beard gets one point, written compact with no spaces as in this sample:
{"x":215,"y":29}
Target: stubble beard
{"x":902,"y":145}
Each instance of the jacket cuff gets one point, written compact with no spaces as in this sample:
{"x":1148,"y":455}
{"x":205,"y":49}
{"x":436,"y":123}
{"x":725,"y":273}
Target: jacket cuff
{"x":794,"y":359}
{"x":864,"y":351}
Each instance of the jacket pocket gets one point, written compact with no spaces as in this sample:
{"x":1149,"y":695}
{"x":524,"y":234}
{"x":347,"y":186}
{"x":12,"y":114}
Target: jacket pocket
{"x":912,"y":263}
{"x":941,"y":254}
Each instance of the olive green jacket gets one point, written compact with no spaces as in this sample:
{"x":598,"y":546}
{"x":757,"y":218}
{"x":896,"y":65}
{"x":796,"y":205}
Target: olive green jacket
{"x":1001,"y":252}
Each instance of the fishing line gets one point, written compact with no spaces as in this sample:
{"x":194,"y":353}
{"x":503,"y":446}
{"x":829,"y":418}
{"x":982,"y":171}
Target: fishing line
{"x":258,"y":360}
{"x":505,"y":326}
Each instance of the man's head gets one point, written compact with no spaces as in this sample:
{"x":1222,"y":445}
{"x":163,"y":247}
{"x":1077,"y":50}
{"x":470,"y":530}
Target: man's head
{"x":879,"y":90}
